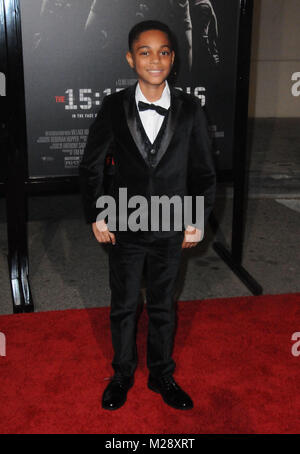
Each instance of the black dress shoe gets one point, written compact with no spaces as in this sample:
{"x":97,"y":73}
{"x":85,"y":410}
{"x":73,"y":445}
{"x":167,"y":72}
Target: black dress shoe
{"x":115,"y":394}
{"x":171,"y":392}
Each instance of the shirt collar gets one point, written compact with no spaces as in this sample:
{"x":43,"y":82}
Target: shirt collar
{"x":164,"y":101}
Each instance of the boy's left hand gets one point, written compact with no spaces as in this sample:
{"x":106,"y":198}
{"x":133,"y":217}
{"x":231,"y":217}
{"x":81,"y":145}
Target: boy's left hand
{"x":192,"y":236}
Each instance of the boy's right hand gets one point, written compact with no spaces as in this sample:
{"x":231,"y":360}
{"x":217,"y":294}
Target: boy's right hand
{"x":102,"y":234}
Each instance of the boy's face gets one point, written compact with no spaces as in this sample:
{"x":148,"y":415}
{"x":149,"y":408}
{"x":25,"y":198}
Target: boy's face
{"x":151,"y":57}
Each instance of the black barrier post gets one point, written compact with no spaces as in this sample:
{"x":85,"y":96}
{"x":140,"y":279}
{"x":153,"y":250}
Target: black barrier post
{"x":233,"y":258}
{"x":16,"y":199}
{"x":3,"y":101}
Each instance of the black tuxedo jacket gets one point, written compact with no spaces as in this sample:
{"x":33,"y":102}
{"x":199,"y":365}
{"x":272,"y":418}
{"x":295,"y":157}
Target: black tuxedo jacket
{"x":182,"y":164}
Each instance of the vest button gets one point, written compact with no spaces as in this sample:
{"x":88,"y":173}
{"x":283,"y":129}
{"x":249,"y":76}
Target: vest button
{"x":152,"y":151}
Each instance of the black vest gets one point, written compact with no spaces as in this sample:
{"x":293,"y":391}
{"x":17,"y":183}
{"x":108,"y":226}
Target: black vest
{"x":151,"y":148}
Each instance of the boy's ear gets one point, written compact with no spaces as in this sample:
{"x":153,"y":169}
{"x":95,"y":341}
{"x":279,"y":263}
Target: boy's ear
{"x":129,"y":59}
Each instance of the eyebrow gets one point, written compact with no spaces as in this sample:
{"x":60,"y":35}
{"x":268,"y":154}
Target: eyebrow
{"x":149,"y":47}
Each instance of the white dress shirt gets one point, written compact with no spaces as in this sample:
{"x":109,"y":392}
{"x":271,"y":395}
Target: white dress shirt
{"x":152,"y":120}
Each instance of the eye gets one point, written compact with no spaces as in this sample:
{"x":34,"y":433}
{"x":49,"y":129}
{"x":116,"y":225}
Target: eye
{"x":145,"y":52}
{"x":165,"y":52}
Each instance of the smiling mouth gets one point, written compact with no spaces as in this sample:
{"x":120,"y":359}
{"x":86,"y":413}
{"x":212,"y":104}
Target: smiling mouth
{"x":155,"y":71}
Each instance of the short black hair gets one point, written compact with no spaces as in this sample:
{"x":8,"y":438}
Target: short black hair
{"x":146,"y":26}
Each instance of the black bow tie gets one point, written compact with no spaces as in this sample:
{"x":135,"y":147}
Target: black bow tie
{"x":144,"y":106}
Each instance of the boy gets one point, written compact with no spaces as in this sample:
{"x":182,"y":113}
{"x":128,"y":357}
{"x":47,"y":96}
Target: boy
{"x":159,"y":140}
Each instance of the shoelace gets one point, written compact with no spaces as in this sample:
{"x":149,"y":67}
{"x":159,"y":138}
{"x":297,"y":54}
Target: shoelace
{"x":169,"y":382}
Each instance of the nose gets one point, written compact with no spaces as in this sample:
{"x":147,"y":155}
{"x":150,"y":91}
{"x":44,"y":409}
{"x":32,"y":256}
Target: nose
{"x":155,"y":58}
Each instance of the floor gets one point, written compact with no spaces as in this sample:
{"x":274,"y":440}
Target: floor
{"x":69,"y":269}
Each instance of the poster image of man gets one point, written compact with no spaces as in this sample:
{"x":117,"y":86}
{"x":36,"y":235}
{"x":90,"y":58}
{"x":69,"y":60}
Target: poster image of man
{"x":205,"y":34}
{"x":58,"y":21}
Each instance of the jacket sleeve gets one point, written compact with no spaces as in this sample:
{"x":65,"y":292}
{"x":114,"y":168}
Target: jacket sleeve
{"x":201,"y":169}
{"x":91,"y":168}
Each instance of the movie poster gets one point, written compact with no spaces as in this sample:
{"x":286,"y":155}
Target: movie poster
{"x":74,"y":55}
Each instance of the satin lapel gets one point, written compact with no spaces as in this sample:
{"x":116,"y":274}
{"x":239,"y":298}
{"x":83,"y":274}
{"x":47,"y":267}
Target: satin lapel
{"x":129,"y":107}
{"x":171,"y":123}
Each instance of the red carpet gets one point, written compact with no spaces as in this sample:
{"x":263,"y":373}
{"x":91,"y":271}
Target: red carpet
{"x":233,"y":357}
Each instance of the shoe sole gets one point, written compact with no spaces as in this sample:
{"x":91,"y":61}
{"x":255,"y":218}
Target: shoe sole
{"x":171,"y":405}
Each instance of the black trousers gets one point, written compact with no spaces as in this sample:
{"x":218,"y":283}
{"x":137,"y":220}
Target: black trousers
{"x":126,"y":262}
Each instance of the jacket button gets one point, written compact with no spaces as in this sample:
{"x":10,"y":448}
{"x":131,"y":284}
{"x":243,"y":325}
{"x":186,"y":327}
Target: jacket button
{"x":153,"y":151}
